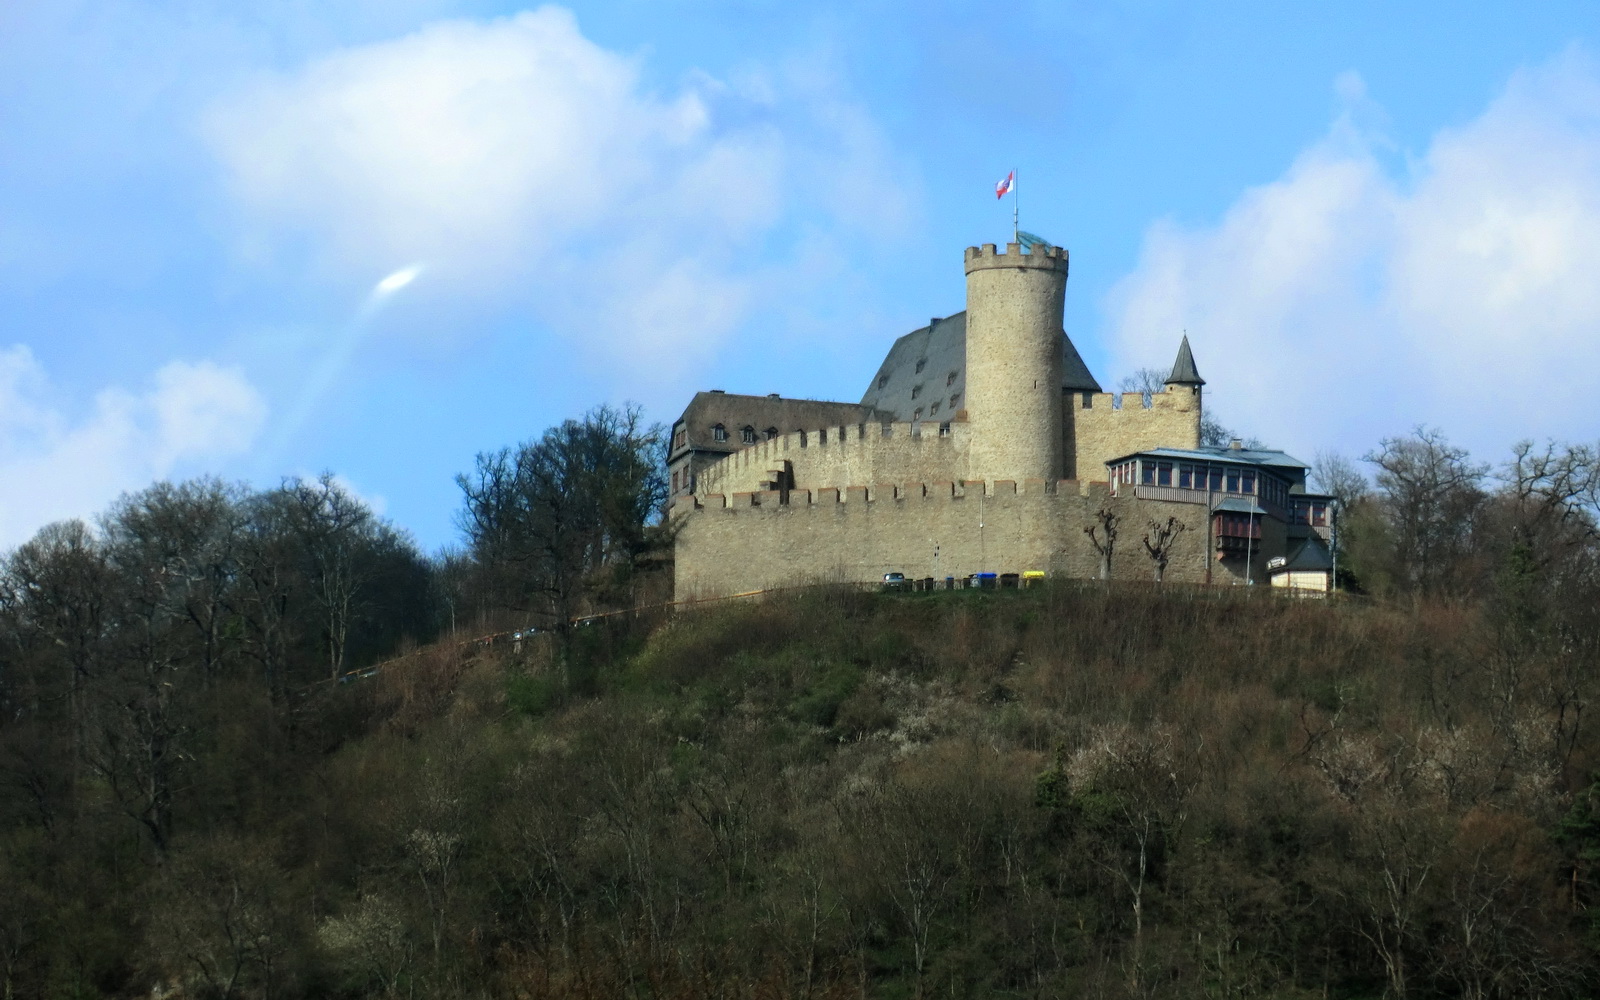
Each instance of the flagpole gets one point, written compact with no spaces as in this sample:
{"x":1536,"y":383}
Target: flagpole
{"x":1014,"y":237}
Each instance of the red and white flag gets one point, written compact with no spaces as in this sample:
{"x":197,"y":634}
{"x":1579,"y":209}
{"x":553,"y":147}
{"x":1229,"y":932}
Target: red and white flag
{"x":1004,"y":186}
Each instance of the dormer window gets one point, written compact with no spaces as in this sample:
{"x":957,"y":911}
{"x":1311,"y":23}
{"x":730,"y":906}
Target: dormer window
{"x":921,"y":364}
{"x":771,"y":433}
{"x":916,"y":391}
{"x":748,"y":435}
{"x":883,"y":380}
{"x":950,"y":379}
{"x":934,"y":408}
{"x":719,"y":433}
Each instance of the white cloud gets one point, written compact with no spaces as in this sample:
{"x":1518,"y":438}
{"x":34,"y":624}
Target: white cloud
{"x":53,"y":466}
{"x":1344,"y":302}
{"x":528,"y":165}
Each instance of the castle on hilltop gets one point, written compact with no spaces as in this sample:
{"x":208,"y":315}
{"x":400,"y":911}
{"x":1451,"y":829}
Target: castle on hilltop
{"x":984,"y":445}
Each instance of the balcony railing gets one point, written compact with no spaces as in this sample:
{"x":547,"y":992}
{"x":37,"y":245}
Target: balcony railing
{"x":1177,"y":494}
{"x":1238,"y":543}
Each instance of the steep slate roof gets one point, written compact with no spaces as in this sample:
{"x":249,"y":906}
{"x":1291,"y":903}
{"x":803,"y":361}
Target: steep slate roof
{"x":1183,"y":370}
{"x":735,"y":412}
{"x":1312,"y":555}
{"x":943,"y":345}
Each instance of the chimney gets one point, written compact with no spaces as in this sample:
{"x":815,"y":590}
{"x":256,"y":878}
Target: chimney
{"x":1236,"y":445}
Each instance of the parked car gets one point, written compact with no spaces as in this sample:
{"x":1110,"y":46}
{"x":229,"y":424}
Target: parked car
{"x":895,"y":581}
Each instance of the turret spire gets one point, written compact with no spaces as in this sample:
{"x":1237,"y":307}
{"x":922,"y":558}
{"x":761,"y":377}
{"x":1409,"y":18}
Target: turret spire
{"x":1183,"y":370}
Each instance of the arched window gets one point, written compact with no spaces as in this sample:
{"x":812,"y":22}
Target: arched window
{"x":748,"y":435}
{"x":719,"y":433}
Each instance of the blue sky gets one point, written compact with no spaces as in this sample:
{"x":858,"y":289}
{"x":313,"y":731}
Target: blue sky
{"x":1364,"y":219}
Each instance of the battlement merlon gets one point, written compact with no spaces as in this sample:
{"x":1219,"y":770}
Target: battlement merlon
{"x":839,"y":455}
{"x":1041,"y":257}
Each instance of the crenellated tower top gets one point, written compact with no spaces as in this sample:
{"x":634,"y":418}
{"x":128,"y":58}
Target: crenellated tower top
{"x":1042,"y":256}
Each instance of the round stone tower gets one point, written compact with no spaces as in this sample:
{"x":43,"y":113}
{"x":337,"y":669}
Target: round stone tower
{"x":1014,"y":348}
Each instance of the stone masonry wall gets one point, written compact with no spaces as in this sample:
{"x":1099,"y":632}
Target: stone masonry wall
{"x":751,"y":541}
{"x":1102,"y":432}
{"x":851,"y":455}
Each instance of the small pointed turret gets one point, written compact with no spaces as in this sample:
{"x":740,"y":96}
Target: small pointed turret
{"x":1183,"y":370}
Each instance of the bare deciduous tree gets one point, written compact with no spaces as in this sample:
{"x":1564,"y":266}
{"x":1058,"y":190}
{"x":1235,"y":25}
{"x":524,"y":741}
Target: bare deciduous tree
{"x":1103,"y":536}
{"x":1159,"y":542}
{"x":549,"y":520}
{"x":1339,"y":477}
{"x":1432,"y":495}
{"x":335,"y":530}
{"x":1145,"y":381}
{"x":1553,"y":499}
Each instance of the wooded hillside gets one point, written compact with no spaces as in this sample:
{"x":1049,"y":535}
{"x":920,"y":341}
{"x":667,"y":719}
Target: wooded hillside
{"x":1073,"y":791}
{"x":245,"y":751}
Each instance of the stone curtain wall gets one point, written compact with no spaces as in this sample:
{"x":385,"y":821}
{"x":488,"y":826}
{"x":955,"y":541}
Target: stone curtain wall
{"x":858,"y":454}
{"x":1101,"y":433}
{"x":852,"y":455}
{"x":751,"y":541}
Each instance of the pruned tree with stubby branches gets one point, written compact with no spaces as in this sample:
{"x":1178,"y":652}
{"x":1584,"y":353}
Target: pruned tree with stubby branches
{"x":1103,"y":536}
{"x":1158,"y":543}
